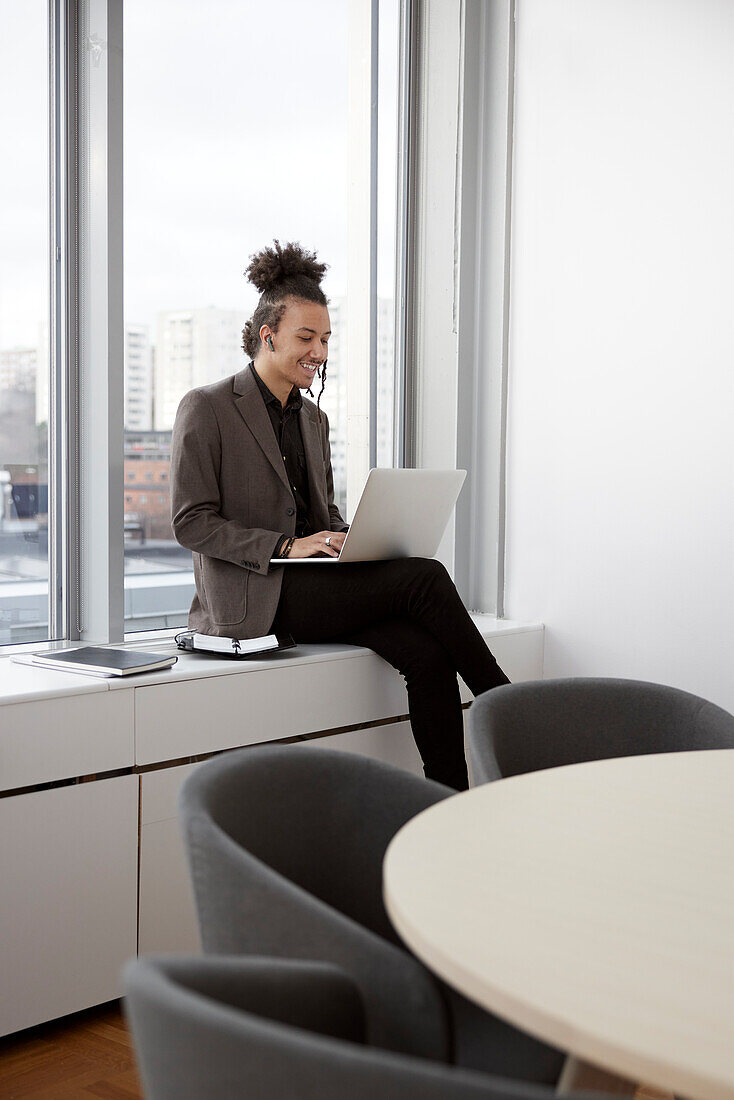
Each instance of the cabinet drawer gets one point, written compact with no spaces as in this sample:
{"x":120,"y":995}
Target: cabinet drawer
{"x":173,"y":721}
{"x":52,"y":739}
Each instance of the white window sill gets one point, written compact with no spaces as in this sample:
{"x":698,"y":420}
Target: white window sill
{"x":25,"y":683}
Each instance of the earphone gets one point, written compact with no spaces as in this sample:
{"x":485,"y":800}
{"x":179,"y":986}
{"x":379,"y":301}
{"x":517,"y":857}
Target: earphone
{"x":269,"y":341}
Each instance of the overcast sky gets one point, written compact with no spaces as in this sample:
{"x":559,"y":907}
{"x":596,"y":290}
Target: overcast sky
{"x":24,"y":174}
{"x":235,"y":129}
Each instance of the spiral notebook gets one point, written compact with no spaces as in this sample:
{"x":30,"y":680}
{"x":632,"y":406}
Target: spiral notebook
{"x":192,"y":642}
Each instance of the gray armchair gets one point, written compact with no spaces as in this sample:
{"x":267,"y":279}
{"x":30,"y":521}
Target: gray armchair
{"x":541,"y":724}
{"x":233,"y":1028}
{"x":285,"y":845}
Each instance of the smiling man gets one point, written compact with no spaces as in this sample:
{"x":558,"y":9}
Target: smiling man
{"x":280,"y":376}
{"x":251,"y":475}
{"x":251,"y":480}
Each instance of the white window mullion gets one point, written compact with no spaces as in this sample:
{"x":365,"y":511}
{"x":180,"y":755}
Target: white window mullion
{"x":58,"y":421}
{"x":361,"y":254}
{"x":483,"y":298}
{"x":374,"y":129}
{"x":100,"y":315}
{"x":403,"y":404}
{"x":432,"y":358}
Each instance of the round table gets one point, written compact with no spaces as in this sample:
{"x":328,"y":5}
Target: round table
{"x":592,"y":905}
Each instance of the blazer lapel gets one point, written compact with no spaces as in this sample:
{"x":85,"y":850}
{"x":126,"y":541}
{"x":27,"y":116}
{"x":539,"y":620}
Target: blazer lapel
{"x":251,"y":407}
{"x":315,"y":467}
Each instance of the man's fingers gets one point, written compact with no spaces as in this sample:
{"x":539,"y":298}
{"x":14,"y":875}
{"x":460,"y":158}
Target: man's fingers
{"x":334,"y":543}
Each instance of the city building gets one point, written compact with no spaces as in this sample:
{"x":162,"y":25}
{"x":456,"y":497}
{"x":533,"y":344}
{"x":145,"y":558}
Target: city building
{"x":194,"y":347}
{"x":43,"y":370}
{"x":385,"y":379}
{"x":334,"y":399}
{"x":146,"y":485}
{"x":138,"y":378}
{"x":18,"y":369}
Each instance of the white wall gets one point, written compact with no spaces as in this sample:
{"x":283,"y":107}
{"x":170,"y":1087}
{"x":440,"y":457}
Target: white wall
{"x":620,"y":482}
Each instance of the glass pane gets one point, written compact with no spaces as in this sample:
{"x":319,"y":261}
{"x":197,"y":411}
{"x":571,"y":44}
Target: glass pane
{"x":233,"y":136}
{"x":24,"y":314}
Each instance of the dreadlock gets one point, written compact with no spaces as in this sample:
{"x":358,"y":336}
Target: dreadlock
{"x":279,"y":273}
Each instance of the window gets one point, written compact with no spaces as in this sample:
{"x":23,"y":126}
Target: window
{"x":25,"y":293}
{"x":214,"y":170}
{"x":234,"y":168}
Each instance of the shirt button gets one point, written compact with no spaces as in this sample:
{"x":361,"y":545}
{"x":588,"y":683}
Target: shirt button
{"x":284,"y":458}
{"x":289,"y":511}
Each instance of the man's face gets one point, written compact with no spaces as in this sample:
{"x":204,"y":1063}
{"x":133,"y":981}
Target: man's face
{"x":301,"y":342}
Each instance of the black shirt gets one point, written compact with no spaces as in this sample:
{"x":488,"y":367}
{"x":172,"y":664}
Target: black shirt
{"x":287,"y":428}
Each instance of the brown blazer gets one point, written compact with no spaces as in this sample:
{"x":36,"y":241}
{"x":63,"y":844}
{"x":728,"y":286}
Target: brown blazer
{"x":231,"y":501}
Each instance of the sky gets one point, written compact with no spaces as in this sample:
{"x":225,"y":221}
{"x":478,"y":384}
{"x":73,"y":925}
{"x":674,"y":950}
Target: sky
{"x":235,"y":132}
{"x":24,"y":284}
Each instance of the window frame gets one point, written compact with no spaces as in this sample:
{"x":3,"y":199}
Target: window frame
{"x":86,"y":566}
{"x":61,"y":447}
{"x":63,"y":433}
{"x":86,"y":592}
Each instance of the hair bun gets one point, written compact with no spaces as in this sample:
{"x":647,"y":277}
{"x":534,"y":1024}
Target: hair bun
{"x":271,"y":267}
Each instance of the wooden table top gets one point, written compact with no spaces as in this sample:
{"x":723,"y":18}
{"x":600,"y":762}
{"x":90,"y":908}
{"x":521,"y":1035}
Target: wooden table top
{"x":592,"y":905}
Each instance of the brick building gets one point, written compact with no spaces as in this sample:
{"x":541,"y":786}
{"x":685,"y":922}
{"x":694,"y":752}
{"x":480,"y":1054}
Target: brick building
{"x":147,"y":486}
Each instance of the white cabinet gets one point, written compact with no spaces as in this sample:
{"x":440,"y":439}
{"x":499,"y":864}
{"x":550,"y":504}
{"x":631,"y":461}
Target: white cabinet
{"x":68,"y":919}
{"x":167,"y":914}
{"x":392,"y":743}
{"x":201,"y":715}
{"x":45,"y":740}
{"x":82,"y":890}
{"x":519,"y":653}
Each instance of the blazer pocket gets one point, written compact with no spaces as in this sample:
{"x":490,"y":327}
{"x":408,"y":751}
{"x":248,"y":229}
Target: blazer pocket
{"x":225,"y":590}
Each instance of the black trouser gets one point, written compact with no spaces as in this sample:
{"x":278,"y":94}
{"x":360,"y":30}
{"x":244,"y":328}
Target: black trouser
{"x":409,"y":612}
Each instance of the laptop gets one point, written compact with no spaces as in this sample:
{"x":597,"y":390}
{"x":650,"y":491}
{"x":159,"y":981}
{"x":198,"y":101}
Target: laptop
{"x":401,"y":514}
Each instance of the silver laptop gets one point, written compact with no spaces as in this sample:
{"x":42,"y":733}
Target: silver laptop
{"x":401,"y":514}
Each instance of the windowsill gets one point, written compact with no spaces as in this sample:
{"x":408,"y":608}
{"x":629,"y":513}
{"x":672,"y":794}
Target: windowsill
{"x":24,"y":683}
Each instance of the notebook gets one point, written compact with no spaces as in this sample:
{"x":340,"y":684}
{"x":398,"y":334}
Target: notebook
{"x":98,"y":661}
{"x":193,"y":642}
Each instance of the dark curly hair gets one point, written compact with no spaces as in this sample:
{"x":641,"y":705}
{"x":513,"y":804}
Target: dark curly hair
{"x":279,"y":273}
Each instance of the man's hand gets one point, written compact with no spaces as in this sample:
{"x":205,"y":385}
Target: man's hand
{"x":313,"y":545}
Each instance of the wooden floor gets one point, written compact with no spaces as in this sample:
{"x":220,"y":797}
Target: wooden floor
{"x":87,"y":1054}
{"x":90,"y":1054}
